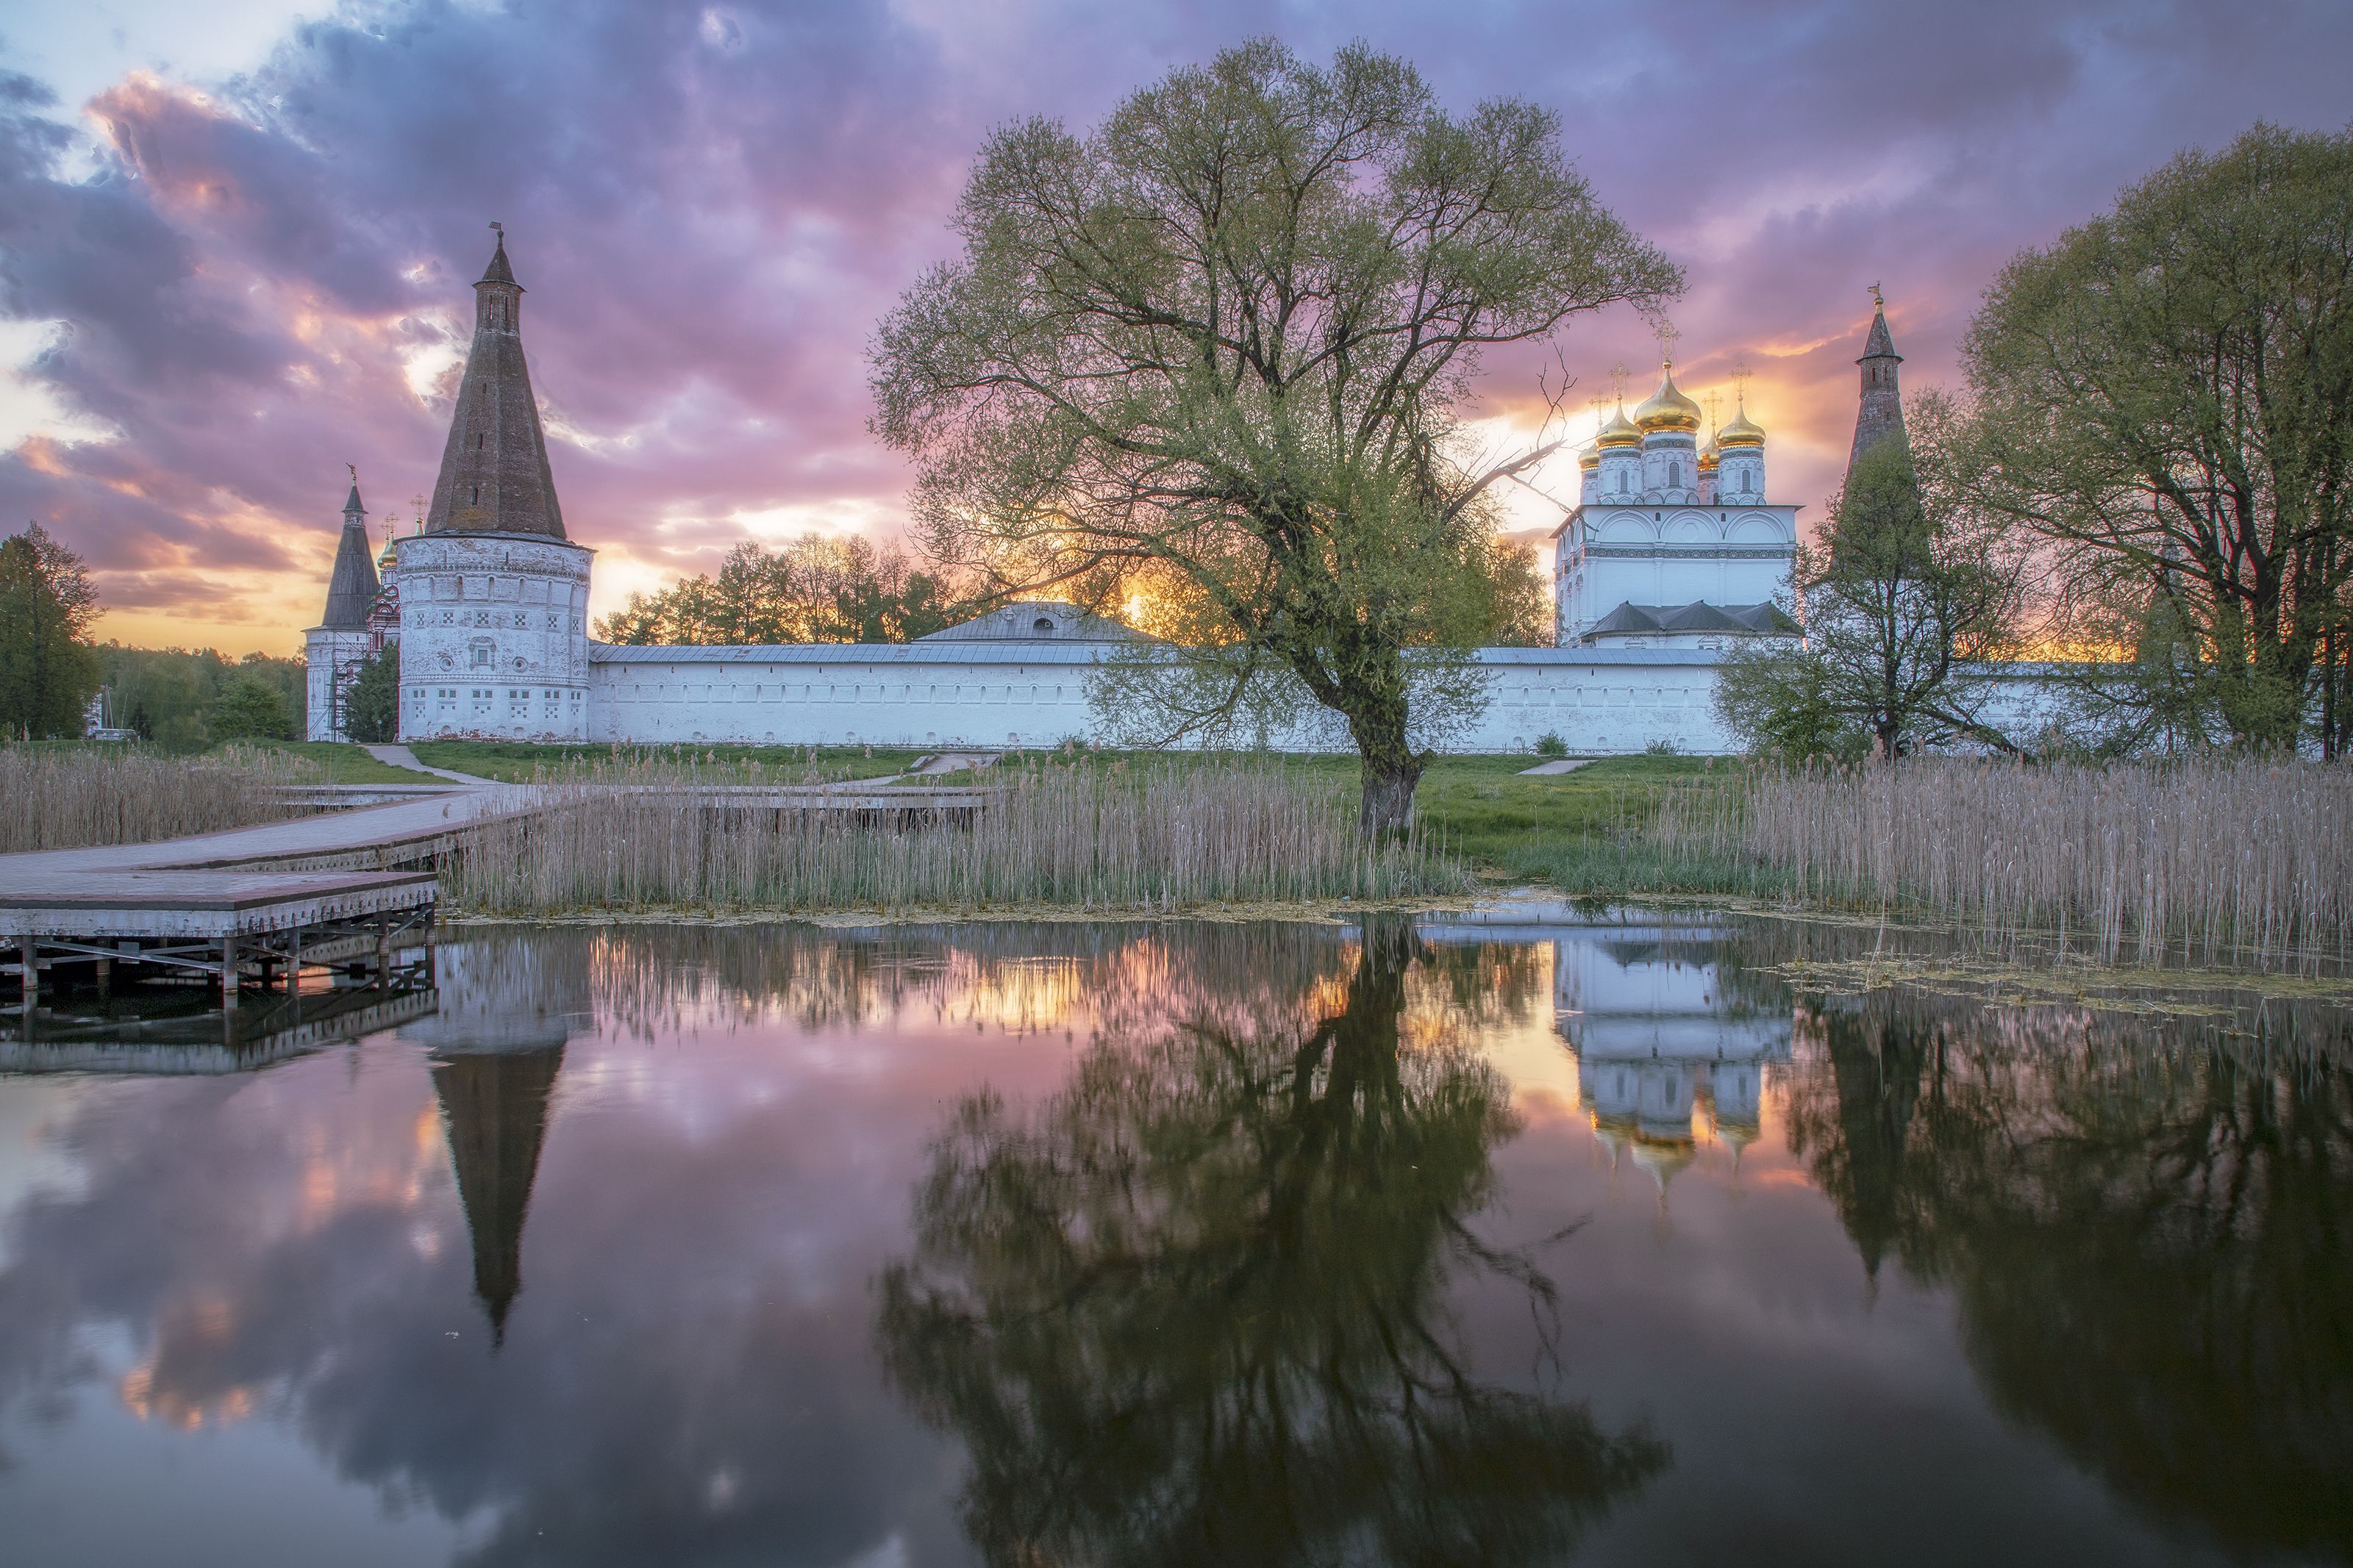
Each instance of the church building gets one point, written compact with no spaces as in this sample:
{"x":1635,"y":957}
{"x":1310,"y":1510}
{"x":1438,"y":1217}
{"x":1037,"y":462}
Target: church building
{"x":1672,"y":544}
{"x":1672,"y":554}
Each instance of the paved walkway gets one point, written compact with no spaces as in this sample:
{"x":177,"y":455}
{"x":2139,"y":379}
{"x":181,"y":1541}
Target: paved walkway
{"x":402,"y":757}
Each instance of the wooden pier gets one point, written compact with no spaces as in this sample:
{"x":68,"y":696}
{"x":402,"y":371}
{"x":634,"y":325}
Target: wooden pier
{"x":236,"y":927}
{"x":342,"y":889}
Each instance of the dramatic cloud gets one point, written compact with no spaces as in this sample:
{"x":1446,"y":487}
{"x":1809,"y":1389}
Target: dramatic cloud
{"x":223,"y":290}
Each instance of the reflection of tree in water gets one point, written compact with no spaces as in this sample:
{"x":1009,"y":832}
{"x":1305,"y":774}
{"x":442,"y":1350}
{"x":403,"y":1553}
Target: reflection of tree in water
{"x":2151,"y":1248}
{"x":1190,"y":1311}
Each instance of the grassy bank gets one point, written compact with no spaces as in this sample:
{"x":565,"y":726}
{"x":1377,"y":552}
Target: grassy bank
{"x":68,"y":797}
{"x":1131,"y":840}
{"x":521,"y":762}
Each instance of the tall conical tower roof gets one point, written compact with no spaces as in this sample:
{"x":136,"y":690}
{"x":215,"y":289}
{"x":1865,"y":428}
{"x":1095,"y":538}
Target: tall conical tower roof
{"x":494,"y":474}
{"x":495,"y":1104}
{"x":351,"y":590}
{"x":1880,"y":410}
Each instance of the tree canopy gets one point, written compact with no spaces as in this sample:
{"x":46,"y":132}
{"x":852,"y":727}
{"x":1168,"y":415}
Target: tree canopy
{"x":46,"y":668}
{"x":1907,"y":597}
{"x":2165,"y":395}
{"x":1219,"y":350}
{"x":813,"y":589}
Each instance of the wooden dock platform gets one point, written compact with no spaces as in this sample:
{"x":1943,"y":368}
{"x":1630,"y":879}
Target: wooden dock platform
{"x":342,"y":887}
{"x":236,"y":927}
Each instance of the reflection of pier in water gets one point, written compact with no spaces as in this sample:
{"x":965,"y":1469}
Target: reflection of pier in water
{"x":185,"y":1034}
{"x":1644,"y":1011}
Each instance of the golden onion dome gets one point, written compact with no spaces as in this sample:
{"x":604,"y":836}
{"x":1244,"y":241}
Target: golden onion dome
{"x":1589,"y":458}
{"x":1743,"y":431}
{"x":390,"y":557}
{"x":1667,"y":408}
{"x":1709,"y":457}
{"x":1619,"y":431}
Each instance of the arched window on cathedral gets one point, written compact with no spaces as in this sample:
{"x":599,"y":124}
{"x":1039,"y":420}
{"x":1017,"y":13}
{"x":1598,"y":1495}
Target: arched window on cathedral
{"x":1675,"y":476}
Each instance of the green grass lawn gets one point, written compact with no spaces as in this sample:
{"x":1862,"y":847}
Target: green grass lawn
{"x":514,"y":761}
{"x":344,"y":764}
{"x":1566,"y":831}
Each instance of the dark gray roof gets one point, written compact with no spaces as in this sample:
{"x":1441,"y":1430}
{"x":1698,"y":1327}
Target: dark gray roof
{"x":497,"y":271}
{"x":1879,"y":344}
{"x":494,"y":474}
{"x":1629,"y":619}
{"x":1034,"y":620}
{"x":352,"y":591}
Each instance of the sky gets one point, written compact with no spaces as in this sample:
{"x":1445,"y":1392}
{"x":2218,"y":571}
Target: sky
{"x":236,"y":238}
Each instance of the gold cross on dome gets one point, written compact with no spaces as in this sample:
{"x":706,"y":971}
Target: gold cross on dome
{"x":1667,"y":335}
{"x":1618,"y":375}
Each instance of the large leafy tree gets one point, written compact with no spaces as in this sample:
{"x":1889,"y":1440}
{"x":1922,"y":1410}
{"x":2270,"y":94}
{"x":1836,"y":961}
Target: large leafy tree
{"x":1218,"y":351}
{"x":2167,"y":394}
{"x":1908,"y":600}
{"x":46,"y":667}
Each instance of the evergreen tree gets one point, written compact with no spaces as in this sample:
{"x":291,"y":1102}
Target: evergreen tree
{"x":372,"y":702}
{"x":250,"y":709}
{"x":46,"y":668}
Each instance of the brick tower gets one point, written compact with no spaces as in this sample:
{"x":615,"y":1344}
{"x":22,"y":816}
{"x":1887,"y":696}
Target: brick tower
{"x":1881,"y":411}
{"x":493,"y":598}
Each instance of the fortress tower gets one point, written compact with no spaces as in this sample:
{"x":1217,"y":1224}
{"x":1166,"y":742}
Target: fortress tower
{"x":1879,"y":413}
{"x":341,"y":641}
{"x":493,"y":598}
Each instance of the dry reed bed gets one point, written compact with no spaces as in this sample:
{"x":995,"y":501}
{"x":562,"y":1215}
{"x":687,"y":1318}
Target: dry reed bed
{"x":1145,"y":839}
{"x":57,"y":798}
{"x":2202,"y":857}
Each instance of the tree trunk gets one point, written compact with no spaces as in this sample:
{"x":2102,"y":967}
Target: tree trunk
{"x":1385,"y":808}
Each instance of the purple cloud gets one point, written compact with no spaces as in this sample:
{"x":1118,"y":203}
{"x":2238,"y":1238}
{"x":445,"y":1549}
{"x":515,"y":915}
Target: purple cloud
{"x":259,"y":279}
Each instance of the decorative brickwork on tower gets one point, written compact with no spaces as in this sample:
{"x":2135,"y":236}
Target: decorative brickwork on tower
{"x":1881,"y":412}
{"x":494,"y":473}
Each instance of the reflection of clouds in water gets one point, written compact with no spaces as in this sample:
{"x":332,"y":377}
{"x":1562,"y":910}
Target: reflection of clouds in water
{"x":731,"y":1122}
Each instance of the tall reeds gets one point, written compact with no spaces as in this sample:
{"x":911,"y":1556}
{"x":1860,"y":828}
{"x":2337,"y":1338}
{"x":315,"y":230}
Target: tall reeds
{"x":1146,"y":838}
{"x":2202,"y":858}
{"x":70,"y":797}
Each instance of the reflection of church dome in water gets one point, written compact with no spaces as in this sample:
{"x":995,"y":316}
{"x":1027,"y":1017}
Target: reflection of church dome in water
{"x":1641,"y":1008}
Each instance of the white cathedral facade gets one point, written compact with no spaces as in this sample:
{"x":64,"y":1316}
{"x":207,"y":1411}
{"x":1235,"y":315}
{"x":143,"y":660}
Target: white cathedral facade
{"x":1672,"y":554}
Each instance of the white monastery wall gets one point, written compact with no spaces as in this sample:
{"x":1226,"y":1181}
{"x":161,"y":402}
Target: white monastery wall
{"x":1599,"y":700}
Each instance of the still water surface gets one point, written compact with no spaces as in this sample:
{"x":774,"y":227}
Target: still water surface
{"x":1615,"y":1240}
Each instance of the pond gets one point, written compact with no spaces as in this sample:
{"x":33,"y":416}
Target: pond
{"x":1618,"y":1237}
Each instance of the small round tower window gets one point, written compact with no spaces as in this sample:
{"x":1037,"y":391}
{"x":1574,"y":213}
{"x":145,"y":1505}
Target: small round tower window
{"x":1042,"y":624}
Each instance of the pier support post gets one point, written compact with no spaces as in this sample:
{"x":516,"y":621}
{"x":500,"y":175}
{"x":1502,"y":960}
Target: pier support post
{"x":105,"y":978}
{"x":228,"y":972}
{"x":29,"y":961}
{"x":383,"y":951}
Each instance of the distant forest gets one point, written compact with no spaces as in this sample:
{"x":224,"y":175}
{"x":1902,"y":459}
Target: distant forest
{"x":186,"y":701}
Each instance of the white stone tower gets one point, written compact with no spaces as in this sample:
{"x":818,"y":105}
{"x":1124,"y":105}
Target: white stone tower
{"x":336,"y":648}
{"x":493,"y":598}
